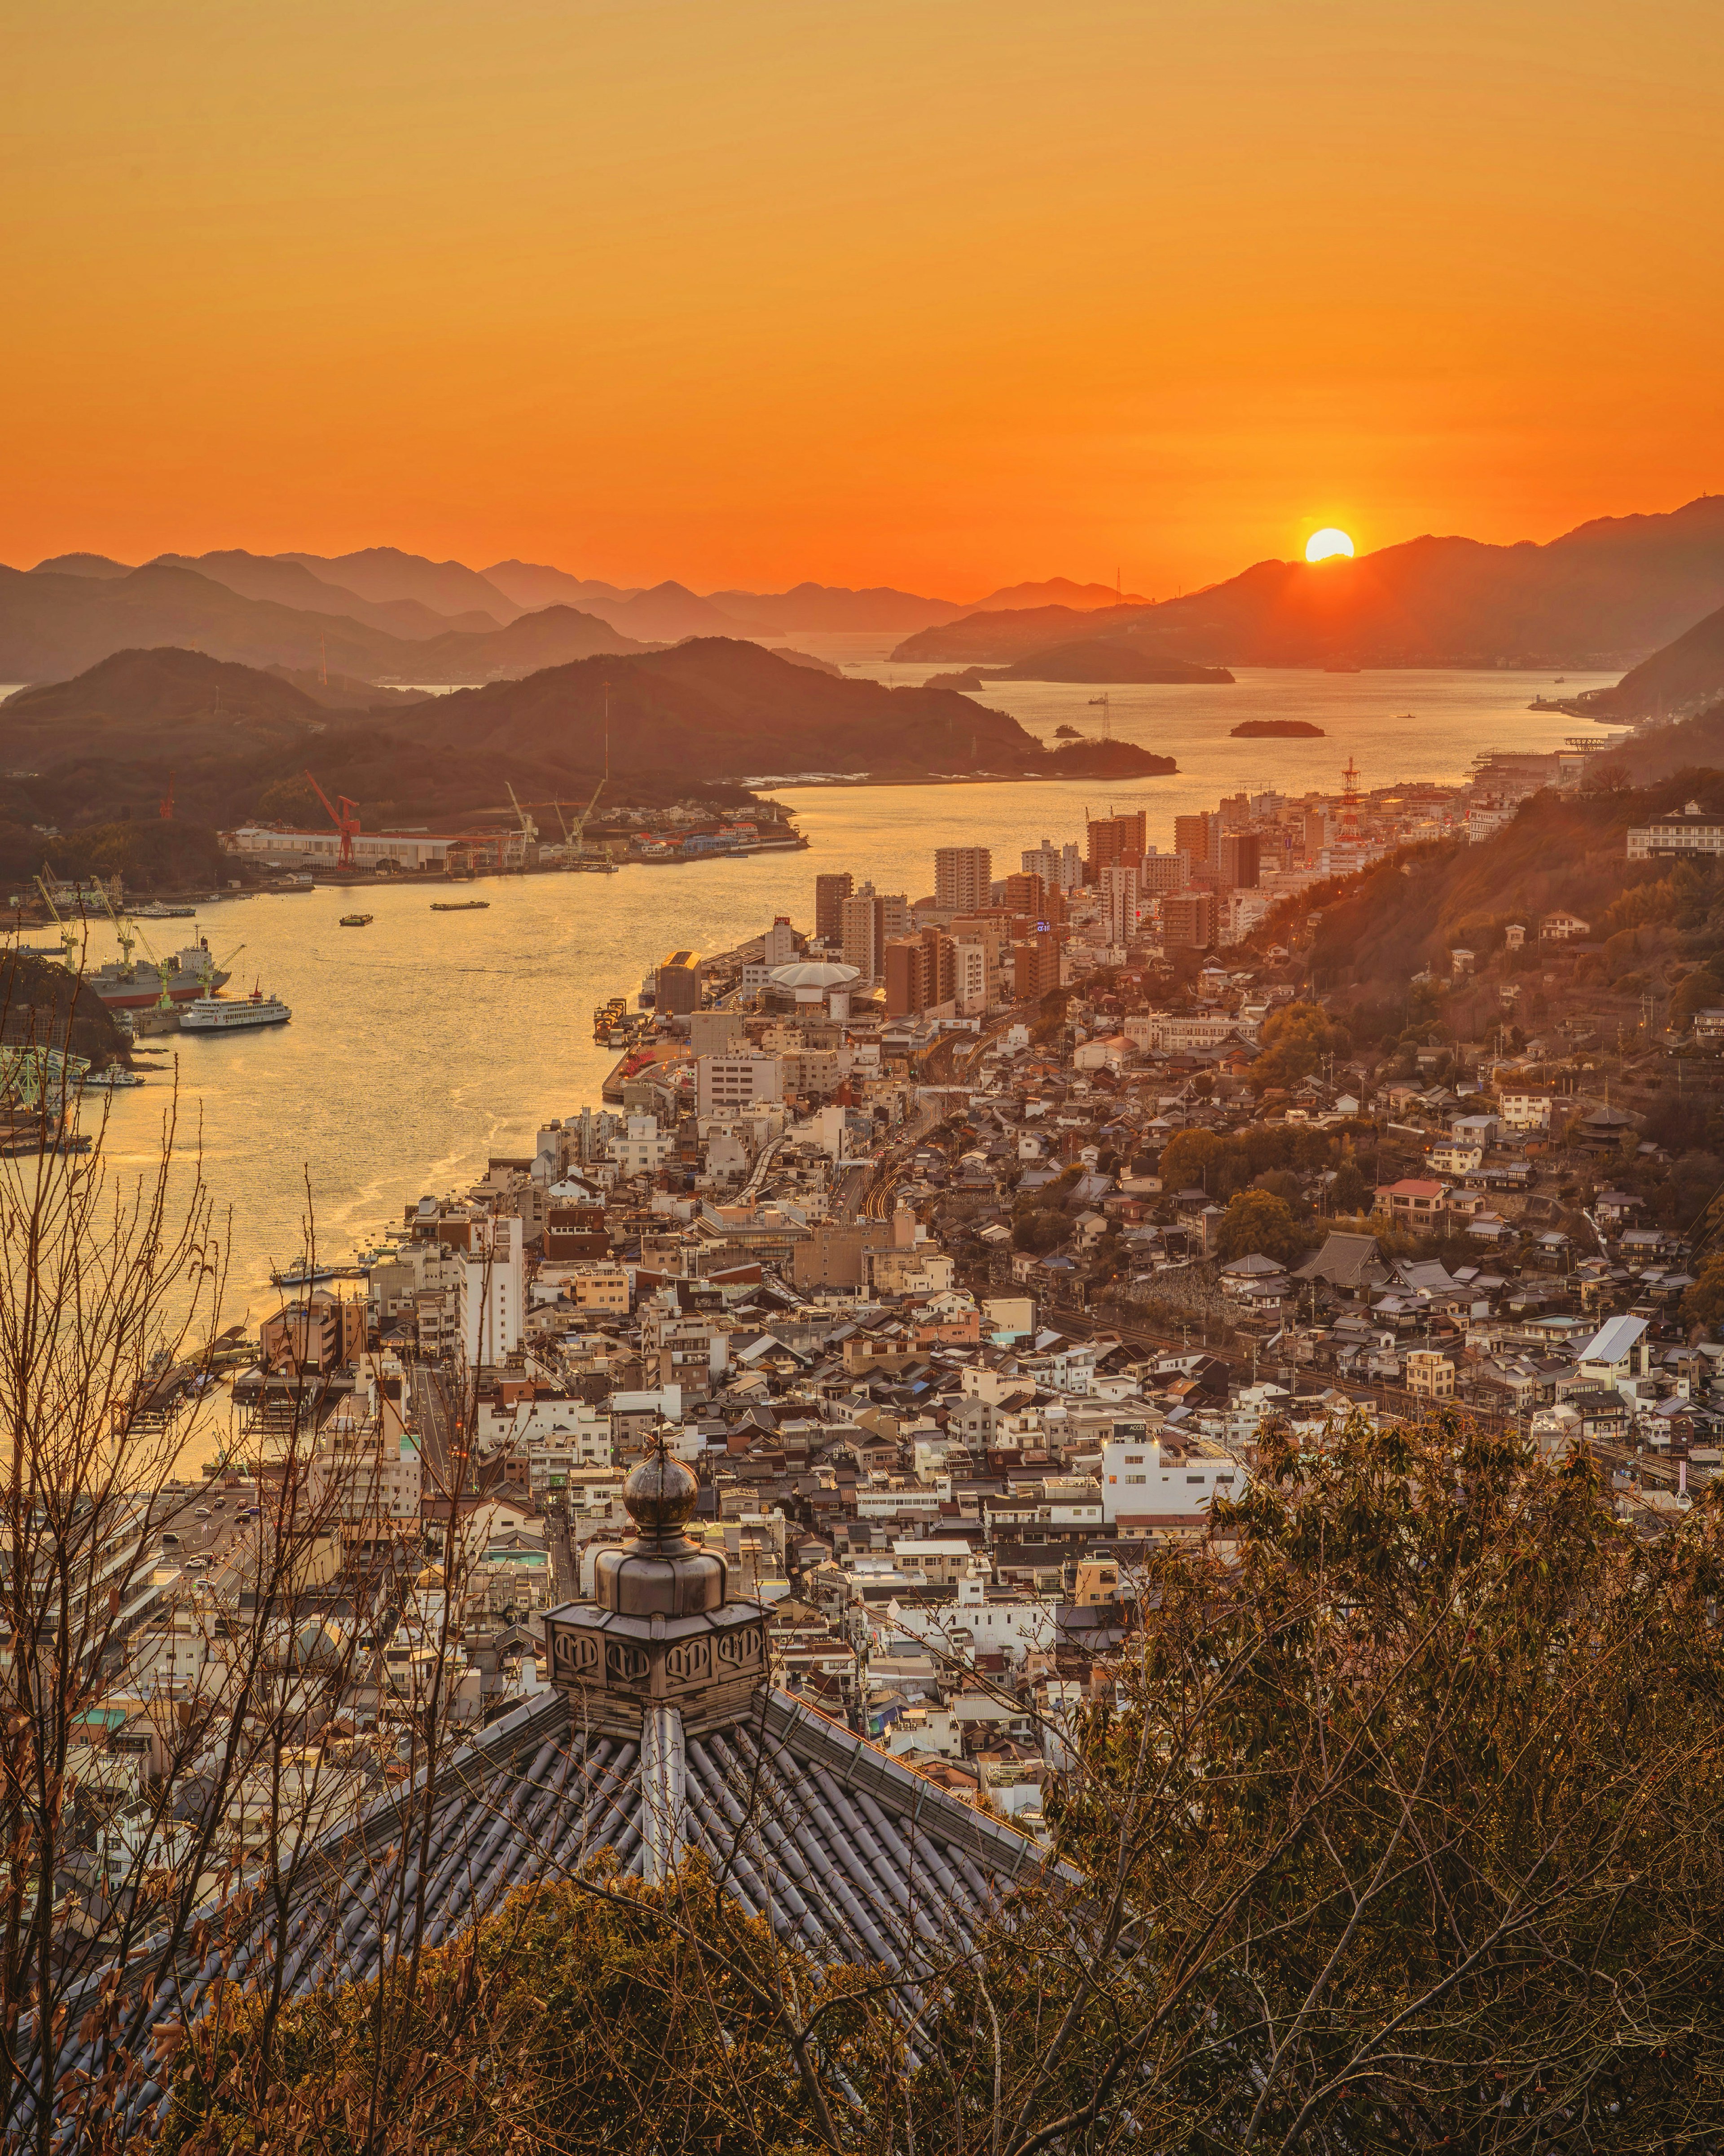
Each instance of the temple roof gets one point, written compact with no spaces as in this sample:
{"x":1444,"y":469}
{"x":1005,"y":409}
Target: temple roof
{"x":850,"y":1854}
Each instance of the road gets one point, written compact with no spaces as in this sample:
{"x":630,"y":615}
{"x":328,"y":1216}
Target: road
{"x":436,"y":1422}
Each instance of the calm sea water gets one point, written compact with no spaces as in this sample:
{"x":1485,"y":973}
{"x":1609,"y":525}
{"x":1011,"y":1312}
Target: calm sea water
{"x":424,"y":1043}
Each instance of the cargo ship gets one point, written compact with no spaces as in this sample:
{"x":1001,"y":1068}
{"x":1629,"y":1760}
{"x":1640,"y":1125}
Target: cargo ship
{"x":182,"y":975}
{"x":459,"y":905}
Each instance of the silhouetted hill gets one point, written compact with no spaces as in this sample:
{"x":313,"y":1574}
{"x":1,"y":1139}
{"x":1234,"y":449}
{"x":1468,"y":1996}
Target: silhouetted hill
{"x":1103,"y":659}
{"x":1616,"y":587}
{"x":1055,"y":591}
{"x":707,"y":713}
{"x":1001,"y":639}
{"x":83,"y":565}
{"x":536,"y":584}
{"x":385,"y":572}
{"x":830,"y":609}
{"x":52,"y":626}
{"x":670,"y":612}
{"x":1686,"y":676}
{"x":721,"y":708}
{"x":281,"y":578}
{"x":152,"y":697}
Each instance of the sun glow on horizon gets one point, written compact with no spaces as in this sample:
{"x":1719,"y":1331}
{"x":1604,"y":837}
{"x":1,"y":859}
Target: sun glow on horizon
{"x":1325,"y":545}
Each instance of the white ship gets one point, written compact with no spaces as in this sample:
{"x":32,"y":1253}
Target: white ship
{"x":211,"y":1014}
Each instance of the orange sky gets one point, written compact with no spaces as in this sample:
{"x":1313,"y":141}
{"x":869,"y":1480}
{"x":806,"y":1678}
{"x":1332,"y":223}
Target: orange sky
{"x":931,"y":292}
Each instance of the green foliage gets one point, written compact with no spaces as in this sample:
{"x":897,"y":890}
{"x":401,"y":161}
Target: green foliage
{"x":1041,"y":1229}
{"x":1435,"y":1752}
{"x":1350,"y":1191}
{"x":1256,"y":1221}
{"x":1704,"y":1302}
{"x":631,"y":2019}
{"x":1295,"y":1040}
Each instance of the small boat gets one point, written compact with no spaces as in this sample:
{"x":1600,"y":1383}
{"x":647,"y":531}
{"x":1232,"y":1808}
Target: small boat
{"x":459,"y":905}
{"x":357,"y":920}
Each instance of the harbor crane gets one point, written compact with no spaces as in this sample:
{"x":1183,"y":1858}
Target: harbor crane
{"x":68,"y":933}
{"x":123,"y":928}
{"x":345,"y":819}
{"x":529,"y":829}
{"x":209,"y":966}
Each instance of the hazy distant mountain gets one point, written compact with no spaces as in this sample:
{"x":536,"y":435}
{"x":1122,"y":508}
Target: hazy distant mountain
{"x":385,"y":572}
{"x":1055,"y":591}
{"x":52,"y":626}
{"x":536,"y":584}
{"x":553,"y":636}
{"x":991,"y":638}
{"x":1686,"y":676}
{"x":168,"y":707}
{"x":290,"y":582}
{"x":824,"y":608}
{"x":1609,"y":590}
{"x":83,"y":565}
{"x":670,"y":612}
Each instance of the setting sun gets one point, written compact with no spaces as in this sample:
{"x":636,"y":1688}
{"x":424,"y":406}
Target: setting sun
{"x":1322,"y":546}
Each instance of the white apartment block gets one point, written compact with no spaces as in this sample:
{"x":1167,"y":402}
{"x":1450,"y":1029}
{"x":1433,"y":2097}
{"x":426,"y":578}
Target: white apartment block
{"x":728,"y":1084}
{"x":1060,"y":868}
{"x":1139,"y":1481}
{"x":493,"y":1297}
{"x":642,"y":1146}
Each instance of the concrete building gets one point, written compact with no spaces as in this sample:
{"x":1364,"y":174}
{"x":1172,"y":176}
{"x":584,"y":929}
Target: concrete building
{"x":492,"y":1292}
{"x":724,"y":1085}
{"x":1239,"y":860}
{"x":321,"y":1333}
{"x":1430,"y":1373}
{"x":963,"y":878}
{"x":1116,"y":838}
{"x":1188,"y":921}
{"x":1060,"y":868}
{"x":830,"y":892}
{"x":679,"y":985}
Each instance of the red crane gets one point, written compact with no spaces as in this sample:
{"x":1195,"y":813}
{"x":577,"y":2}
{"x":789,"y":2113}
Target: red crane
{"x":345,"y":819}
{"x":164,"y":807}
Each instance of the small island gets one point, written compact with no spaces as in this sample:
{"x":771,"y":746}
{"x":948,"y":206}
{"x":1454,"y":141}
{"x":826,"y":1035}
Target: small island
{"x":1067,"y":733}
{"x":1277,"y":730}
{"x":971,"y":678}
{"x":1106,"y":759}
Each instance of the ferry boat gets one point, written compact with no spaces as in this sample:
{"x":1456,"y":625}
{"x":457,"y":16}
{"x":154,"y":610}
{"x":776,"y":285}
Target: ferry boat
{"x":357,"y":920}
{"x":459,"y":905}
{"x":302,"y":1273}
{"x":114,"y":1077}
{"x":158,"y":910}
{"x":210,"y":1015}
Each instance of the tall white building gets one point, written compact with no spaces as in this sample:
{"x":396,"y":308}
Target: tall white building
{"x":1060,"y":868}
{"x":493,"y":1314}
{"x":1118,"y":890}
{"x":969,"y":979}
